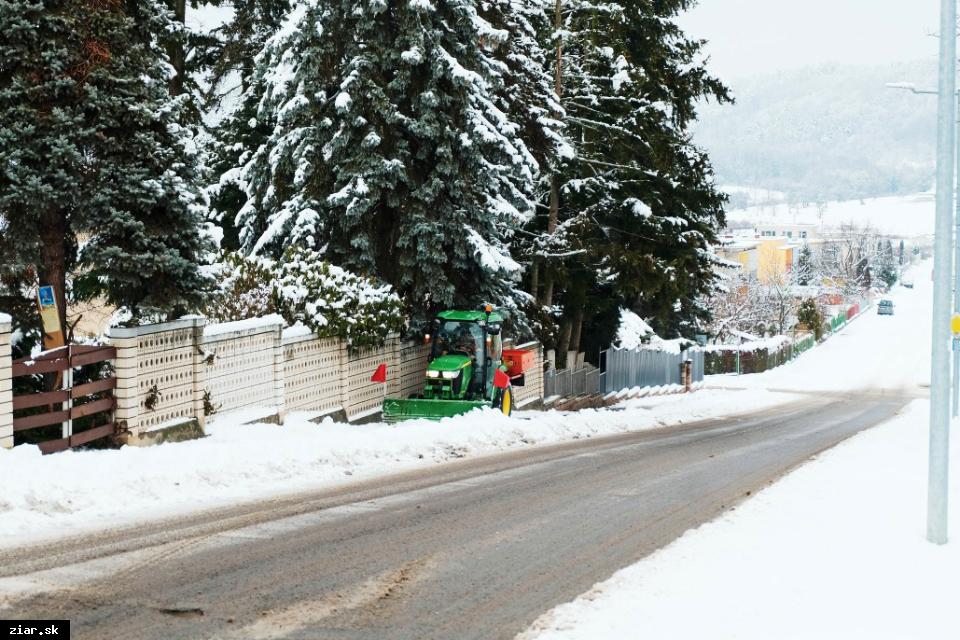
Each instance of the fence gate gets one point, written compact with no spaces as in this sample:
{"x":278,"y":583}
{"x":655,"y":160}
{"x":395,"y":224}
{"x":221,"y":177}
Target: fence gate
{"x":84,"y":411}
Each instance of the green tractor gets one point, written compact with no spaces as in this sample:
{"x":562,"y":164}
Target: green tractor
{"x":466,"y":370}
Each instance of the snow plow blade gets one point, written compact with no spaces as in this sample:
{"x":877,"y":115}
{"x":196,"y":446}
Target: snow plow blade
{"x":397,"y":410}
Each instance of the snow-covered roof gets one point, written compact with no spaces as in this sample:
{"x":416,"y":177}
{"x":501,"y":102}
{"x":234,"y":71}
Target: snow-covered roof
{"x":5,"y":319}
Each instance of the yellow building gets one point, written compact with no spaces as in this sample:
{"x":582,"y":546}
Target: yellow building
{"x":775,"y":260}
{"x":769,"y":260}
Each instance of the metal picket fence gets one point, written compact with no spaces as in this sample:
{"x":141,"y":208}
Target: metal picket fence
{"x":622,"y":369}
{"x":567,"y":383}
{"x":627,"y":368}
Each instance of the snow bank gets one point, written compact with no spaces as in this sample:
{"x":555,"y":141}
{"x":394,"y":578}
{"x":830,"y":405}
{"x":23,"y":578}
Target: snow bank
{"x":58,"y":495}
{"x":771,"y":344}
{"x":835,"y":550}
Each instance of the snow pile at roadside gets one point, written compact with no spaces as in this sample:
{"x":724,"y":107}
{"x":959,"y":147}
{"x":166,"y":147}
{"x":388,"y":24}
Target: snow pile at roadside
{"x":835,"y":550}
{"x":44,"y":496}
{"x":771,"y":344}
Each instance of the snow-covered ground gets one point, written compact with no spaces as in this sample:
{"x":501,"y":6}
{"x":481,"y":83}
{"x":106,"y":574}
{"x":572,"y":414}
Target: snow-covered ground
{"x":901,"y":215}
{"x":834,"y":550}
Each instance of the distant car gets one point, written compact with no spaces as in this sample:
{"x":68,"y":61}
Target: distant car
{"x":908,"y":284}
{"x":885,"y":308}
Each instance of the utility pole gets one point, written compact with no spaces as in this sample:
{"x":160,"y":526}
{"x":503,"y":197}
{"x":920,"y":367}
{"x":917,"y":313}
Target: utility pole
{"x":943,"y":270}
{"x":956,"y":271}
{"x":956,"y":258}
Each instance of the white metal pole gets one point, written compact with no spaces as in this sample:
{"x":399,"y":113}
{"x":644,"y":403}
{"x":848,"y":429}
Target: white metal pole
{"x":956,"y":281}
{"x":943,"y":272}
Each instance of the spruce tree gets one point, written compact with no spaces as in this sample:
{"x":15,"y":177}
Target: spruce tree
{"x":389,"y":148}
{"x":804,"y":273}
{"x":638,"y":207}
{"x":99,"y":181}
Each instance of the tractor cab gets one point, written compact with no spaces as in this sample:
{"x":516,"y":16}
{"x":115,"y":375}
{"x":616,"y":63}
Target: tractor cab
{"x":465,"y":351}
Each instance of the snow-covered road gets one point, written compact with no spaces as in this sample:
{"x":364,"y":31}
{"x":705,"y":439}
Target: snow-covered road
{"x":835,"y":550}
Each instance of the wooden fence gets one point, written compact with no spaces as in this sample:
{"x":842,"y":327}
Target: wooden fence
{"x":71,"y":406}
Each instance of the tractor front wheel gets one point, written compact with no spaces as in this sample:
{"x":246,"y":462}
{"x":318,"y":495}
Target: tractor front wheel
{"x":503,"y":400}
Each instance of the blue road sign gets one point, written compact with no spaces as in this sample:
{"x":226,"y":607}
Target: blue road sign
{"x":46,"y":297}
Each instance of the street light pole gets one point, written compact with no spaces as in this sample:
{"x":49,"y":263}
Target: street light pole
{"x":939,"y":359}
{"x":956,"y":280}
{"x":956,"y":256}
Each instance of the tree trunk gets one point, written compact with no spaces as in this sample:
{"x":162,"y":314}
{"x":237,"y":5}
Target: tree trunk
{"x":563,"y":344}
{"x":554,"y":211}
{"x":547,"y":299}
{"x":534,"y":277}
{"x":175,"y":49}
{"x":577,"y":329}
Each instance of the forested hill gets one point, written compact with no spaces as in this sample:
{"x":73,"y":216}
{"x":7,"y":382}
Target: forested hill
{"x":826,"y":133}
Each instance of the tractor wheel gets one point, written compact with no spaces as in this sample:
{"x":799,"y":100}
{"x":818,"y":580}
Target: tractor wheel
{"x":504,"y":401}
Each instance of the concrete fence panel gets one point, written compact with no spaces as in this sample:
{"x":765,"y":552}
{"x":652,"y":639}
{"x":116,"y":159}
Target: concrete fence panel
{"x":360,"y":397}
{"x":311,"y":372}
{"x":241,"y":362}
{"x":532,"y":390}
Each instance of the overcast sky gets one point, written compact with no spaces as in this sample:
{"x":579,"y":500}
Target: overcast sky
{"x":748,"y":37}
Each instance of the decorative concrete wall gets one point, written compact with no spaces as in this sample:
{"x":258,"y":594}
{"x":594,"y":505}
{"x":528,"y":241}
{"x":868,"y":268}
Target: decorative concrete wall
{"x":172,"y":373}
{"x":6,"y":384}
{"x":532,"y":390}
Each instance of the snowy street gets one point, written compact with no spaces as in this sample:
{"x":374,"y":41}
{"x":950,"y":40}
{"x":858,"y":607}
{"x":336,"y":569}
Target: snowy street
{"x":834,"y":550}
{"x":512,"y":534}
{"x":475,"y":549}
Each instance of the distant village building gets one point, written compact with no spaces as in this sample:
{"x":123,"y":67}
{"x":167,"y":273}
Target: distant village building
{"x":769,"y":259}
{"x":801,"y":232}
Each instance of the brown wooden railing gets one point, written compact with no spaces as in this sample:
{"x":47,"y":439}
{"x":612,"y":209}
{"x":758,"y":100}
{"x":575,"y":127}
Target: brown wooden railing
{"x":61,"y":404}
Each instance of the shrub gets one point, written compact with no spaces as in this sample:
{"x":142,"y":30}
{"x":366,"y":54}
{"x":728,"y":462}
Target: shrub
{"x":304,"y":288}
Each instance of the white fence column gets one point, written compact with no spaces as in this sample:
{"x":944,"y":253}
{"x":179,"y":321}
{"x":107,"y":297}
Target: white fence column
{"x":6,"y":384}
{"x":157,"y":375}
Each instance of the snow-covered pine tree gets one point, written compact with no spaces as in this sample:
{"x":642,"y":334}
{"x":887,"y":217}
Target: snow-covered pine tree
{"x":639,"y":199}
{"x":388,"y":149}
{"x":805,"y":273}
{"x":227,"y":51}
{"x":93,"y":154}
